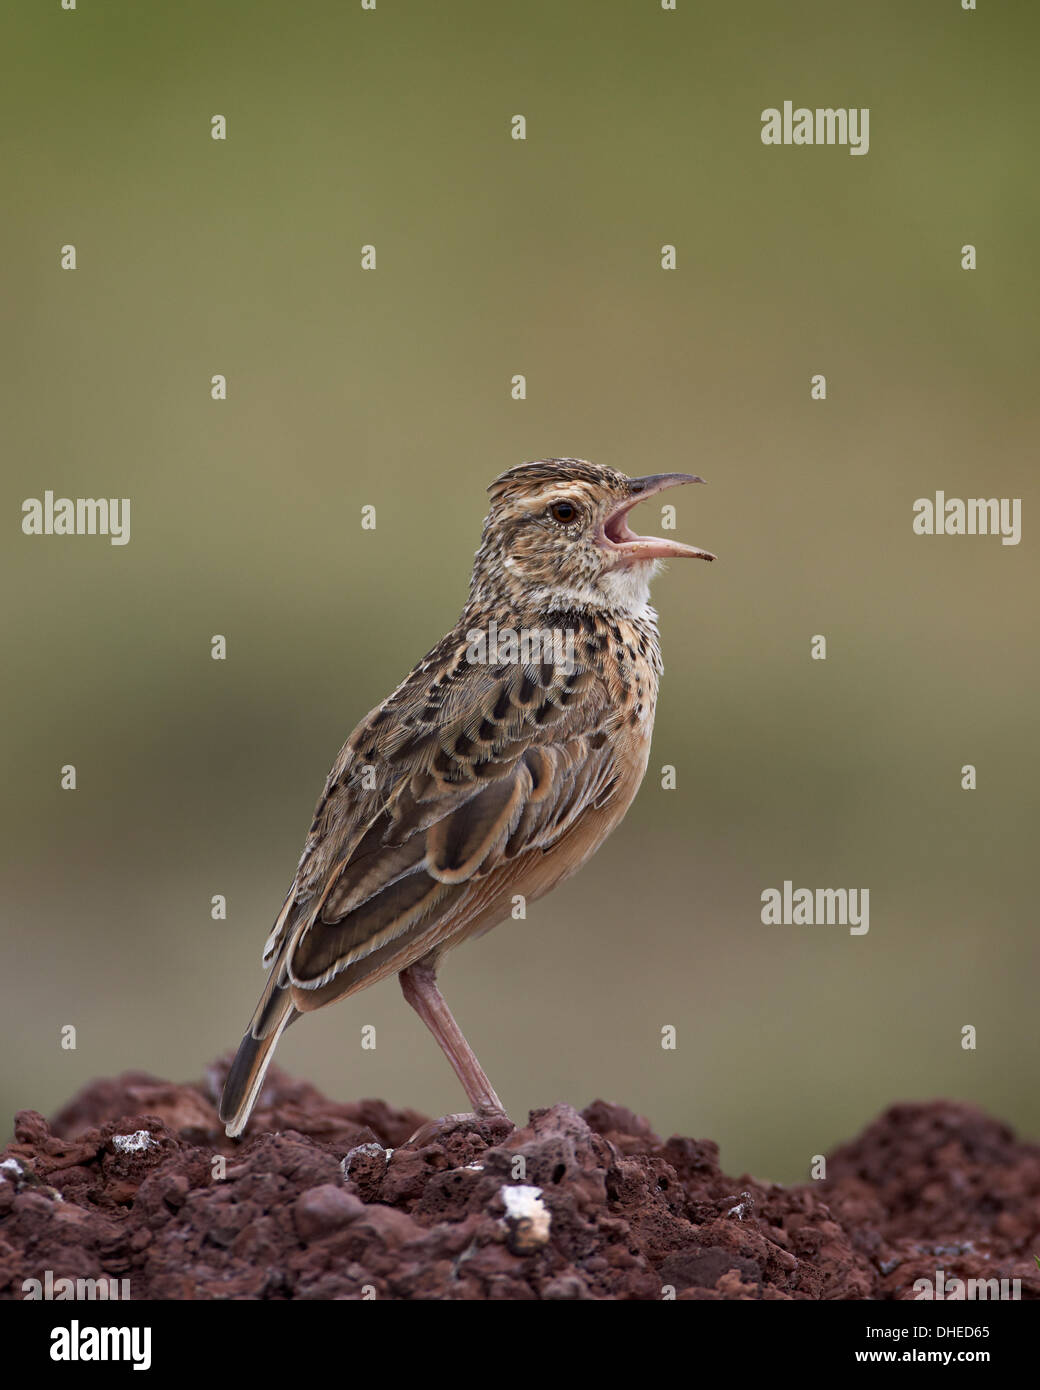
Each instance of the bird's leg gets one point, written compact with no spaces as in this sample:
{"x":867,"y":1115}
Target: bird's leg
{"x":419,"y":986}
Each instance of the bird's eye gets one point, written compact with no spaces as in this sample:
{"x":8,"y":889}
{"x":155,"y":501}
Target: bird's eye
{"x":563,"y":512}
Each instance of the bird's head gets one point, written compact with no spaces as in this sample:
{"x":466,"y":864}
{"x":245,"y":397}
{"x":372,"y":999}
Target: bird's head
{"x":557,"y":536}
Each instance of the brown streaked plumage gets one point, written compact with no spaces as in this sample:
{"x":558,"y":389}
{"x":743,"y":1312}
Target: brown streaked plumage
{"x":488,"y":773}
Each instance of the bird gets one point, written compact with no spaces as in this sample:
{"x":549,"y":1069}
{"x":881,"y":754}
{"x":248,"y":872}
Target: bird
{"x":491,"y":774}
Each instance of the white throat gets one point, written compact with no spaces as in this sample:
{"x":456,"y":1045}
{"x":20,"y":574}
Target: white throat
{"x":628,"y":589}
{"x":623,"y":591}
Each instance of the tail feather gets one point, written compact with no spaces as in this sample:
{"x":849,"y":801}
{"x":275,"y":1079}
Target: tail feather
{"x":273,"y":1015}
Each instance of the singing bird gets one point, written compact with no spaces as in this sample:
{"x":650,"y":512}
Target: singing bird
{"x":484,"y":778}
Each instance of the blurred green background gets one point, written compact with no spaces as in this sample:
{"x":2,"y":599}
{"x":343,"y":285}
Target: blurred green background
{"x":392,"y":389}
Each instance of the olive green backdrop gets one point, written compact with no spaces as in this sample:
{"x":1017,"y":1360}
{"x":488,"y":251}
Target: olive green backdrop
{"x":392,"y":388}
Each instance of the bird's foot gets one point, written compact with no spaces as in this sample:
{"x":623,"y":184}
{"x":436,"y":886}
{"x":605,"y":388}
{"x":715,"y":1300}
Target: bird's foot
{"x":492,"y":1125}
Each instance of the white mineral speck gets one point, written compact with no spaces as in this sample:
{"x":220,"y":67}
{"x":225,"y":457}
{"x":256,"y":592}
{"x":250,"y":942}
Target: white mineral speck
{"x":524,"y":1204}
{"x":133,"y":1143}
{"x":371,"y":1149}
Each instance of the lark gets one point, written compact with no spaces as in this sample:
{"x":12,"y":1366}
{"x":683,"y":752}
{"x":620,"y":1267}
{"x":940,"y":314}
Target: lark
{"x":490,"y":775}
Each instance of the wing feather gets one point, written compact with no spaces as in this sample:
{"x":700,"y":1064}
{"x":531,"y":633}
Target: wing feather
{"x":440,"y":803}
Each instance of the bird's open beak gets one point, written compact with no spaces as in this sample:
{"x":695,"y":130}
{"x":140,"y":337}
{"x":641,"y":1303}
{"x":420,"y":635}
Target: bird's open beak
{"x":625,"y":545}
